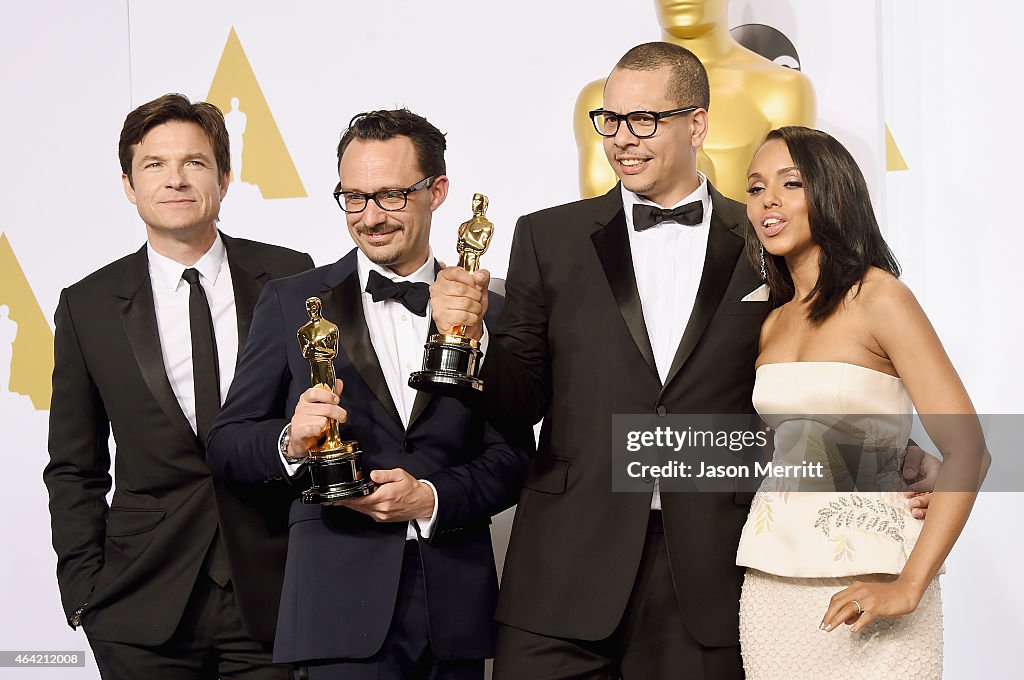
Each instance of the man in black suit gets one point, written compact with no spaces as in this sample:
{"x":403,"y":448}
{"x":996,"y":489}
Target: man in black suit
{"x":399,"y":584}
{"x":629,"y":303}
{"x":179,"y":577}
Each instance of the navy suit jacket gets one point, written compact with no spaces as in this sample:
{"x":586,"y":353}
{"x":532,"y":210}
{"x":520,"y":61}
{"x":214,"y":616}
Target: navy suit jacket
{"x":343,"y":568}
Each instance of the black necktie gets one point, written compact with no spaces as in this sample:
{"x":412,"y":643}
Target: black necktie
{"x":646,"y":216}
{"x":413,"y":296}
{"x":205,"y":372}
{"x":206,"y":380}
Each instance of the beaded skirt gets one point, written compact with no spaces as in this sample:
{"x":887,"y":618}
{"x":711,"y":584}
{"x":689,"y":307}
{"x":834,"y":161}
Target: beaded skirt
{"x":780,"y":640}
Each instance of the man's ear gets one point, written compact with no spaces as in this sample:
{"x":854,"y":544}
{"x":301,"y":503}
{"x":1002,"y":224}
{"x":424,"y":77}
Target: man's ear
{"x":129,"y":190}
{"x":438,"y":191}
{"x":699,"y":127}
{"x":225,"y":180}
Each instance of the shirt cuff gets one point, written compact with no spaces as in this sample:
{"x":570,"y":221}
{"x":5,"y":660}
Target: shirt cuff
{"x":291,"y":469}
{"x":484,"y":340}
{"x":426,"y":526}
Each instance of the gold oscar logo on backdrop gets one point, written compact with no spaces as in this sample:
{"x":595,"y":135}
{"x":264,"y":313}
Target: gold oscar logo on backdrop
{"x":26,"y":341}
{"x":894,"y":161}
{"x":259,"y":156}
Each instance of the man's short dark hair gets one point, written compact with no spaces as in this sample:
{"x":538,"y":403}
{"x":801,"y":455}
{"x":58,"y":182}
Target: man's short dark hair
{"x":688,"y":83}
{"x":169,"y":108}
{"x":380,"y":126}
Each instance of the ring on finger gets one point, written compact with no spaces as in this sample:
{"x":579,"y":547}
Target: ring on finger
{"x":860,"y":610}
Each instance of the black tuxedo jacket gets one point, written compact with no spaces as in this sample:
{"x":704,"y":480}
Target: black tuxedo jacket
{"x":343,"y":568}
{"x":572,"y":347}
{"x":135,"y":563}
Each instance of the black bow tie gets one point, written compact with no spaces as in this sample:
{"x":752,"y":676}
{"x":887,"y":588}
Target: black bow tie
{"x":646,"y":216}
{"x":413,"y":296}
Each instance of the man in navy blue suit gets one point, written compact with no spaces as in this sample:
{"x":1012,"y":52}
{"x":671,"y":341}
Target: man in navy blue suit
{"x":400,"y":583}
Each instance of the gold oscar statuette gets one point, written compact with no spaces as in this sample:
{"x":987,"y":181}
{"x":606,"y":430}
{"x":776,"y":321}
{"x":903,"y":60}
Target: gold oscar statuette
{"x":450,"y":359}
{"x":334,"y":465}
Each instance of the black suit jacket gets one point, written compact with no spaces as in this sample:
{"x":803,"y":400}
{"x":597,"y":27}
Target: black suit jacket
{"x":135,"y":563}
{"x":343,"y":568}
{"x":572,"y":347}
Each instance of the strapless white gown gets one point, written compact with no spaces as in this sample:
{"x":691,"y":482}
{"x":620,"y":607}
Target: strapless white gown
{"x":802,"y":547}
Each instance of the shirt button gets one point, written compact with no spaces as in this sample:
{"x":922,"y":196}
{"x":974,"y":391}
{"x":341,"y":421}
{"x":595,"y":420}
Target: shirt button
{"x":662,"y":410}
{"x":408,"y":365}
{"x":405,"y":318}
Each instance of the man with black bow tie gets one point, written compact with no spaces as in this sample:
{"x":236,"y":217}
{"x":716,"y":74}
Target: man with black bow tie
{"x":400,"y":583}
{"x":629,"y":303}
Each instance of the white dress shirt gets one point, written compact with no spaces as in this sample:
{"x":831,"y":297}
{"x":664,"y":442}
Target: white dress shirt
{"x":397,"y":336}
{"x":668,"y":261}
{"x":170,"y":299}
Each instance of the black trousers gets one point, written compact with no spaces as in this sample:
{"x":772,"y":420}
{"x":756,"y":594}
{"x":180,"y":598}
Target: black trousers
{"x":650,"y":643}
{"x":209,"y":643}
{"x":405,"y":653}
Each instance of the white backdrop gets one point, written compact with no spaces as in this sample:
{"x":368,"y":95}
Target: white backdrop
{"x":501,"y":80}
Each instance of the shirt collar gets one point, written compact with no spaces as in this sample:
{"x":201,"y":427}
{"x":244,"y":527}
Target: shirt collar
{"x":629,"y":199}
{"x":166,"y":273}
{"x":425,"y":274}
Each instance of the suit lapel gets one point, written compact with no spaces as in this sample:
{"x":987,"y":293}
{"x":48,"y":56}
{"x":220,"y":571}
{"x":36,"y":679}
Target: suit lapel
{"x":138,"y":315}
{"x":612,"y":245}
{"x":247,"y":279}
{"x":725,"y":244}
{"x":342,"y":305}
{"x":422,"y":398}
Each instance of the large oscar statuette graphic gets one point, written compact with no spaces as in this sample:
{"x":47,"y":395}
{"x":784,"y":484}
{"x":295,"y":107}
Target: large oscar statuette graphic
{"x":335,"y":470}
{"x":450,"y":359}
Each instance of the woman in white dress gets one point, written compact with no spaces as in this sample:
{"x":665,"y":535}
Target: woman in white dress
{"x":849,"y":350}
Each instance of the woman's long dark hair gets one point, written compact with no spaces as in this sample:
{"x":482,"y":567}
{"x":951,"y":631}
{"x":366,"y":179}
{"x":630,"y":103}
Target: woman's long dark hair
{"x":842,"y":224}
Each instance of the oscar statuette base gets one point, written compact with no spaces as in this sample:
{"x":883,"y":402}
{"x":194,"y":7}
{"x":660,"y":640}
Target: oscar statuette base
{"x":337,"y":475}
{"x":449,"y":367}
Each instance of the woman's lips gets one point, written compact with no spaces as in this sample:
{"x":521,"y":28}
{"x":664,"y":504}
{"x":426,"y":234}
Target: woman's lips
{"x":773,"y":225}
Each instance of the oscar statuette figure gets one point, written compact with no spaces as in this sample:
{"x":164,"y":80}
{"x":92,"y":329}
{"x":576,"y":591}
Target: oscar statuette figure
{"x":450,"y":359}
{"x":334,"y":465}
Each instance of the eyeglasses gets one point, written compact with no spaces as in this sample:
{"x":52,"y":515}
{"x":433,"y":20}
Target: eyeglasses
{"x":640,"y":123}
{"x":386,"y":199}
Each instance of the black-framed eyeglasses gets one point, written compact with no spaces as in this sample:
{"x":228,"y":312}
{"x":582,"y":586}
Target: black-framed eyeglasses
{"x":640,"y":123}
{"x":386,"y":199}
